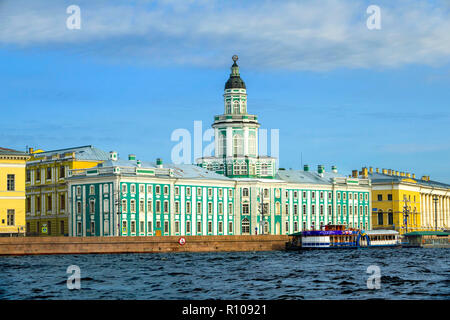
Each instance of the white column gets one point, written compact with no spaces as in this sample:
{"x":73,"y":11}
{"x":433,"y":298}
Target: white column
{"x":245,"y":141}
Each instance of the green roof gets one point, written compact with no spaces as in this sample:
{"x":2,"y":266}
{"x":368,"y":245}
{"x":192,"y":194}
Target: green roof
{"x":426,"y":233}
{"x":295,"y":234}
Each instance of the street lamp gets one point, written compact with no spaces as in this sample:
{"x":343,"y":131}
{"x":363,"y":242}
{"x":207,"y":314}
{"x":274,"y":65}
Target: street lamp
{"x":435,"y":199}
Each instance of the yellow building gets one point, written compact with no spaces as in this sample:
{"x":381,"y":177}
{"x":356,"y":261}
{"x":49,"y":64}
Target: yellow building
{"x":404,"y":203}
{"x":12,"y":192}
{"x":46,"y":187}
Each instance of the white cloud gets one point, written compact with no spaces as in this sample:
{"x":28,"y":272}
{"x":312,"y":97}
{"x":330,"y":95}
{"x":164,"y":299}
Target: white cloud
{"x":293,"y":35}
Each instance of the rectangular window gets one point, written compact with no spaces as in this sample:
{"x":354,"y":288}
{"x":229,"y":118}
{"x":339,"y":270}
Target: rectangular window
{"x":166,"y":190}
{"x":158,"y":190}
{"x":230,"y":192}
{"x":79,"y":207}
{"x":49,"y":203}
{"x":133,"y":206}
{"x":321,"y":195}
{"x":313,"y":194}
{"x":166,"y":206}
{"x":149,"y":189}
{"x":177,"y":226}
{"x":62,"y":172}
{"x":188,"y":207}
{"x":209,"y":227}
{"x":304,"y":209}
{"x":124,"y":188}
{"x":91,"y":190}
{"x":287,"y":209}
{"x":141,"y":226}
{"x":141,"y":206}
{"x":209,"y":208}
{"x":105,"y":205}
{"x":49,"y":173}
{"x":149,"y":227}
{"x":132,"y":188}
{"x":295,"y":209}
{"x":313,"y":209}
{"x":209,"y":192}
{"x":188,"y":226}
{"x":166,"y":226}
{"x":177,"y":207}
{"x":92,"y":228}
{"x":28,"y":176}
{"x":28,"y":205}
{"x":158,"y":224}
{"x":220,"y":193}
{"x":92,"y":206}
{"x":177,"y":191}
{"x":329,"y":195}
{"x":295,"y":194}
{"x":230,"y":208}
{"x":61,"y":227}
{"x":329,"y":210}
{"x":380,"y":197}
{"x":124,"y":206}
{"x":220,"y":208}
{"x":62,"y":201}
{"x":245,"y":208}
{"x":199,"y":207}
{"x":199,"y":227}
{"x":390,"y":197}
{"x":339,"y":196}
{"x":149,"y":206}
{"x":158,"y":206}
{"x":220,"y":226}
{"x":188,"y":191}
{"x":11,"y":182}
{"x":133,"y":226}
{"x":295,"y":226}
{"x":38,"y":174}
{"x":78,"y":228}
{"x":141,"y":188}
{"x":10,"y":217}
{"x":321,"y":209}
{"x":230,"y":227}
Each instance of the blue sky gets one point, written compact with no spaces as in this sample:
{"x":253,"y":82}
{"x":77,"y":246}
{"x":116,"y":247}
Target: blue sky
{"x":340,"y":94}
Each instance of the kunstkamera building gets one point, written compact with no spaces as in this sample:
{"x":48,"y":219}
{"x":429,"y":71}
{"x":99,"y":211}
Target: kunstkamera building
{"x":234,"y":192}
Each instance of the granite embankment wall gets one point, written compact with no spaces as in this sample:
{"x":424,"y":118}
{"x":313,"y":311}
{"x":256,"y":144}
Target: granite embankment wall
{"x":80,"y":245}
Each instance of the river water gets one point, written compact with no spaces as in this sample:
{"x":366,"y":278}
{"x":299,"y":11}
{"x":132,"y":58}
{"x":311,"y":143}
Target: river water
{"x":342,"y":274}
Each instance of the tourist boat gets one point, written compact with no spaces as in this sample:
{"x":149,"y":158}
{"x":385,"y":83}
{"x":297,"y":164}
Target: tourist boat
{"x":427,"y":239}
{"x":339,"y":237}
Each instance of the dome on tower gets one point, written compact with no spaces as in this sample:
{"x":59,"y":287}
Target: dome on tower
{"x":235,"y":81}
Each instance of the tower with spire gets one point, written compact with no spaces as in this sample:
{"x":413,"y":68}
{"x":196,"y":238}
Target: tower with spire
{"x":236,"y":136}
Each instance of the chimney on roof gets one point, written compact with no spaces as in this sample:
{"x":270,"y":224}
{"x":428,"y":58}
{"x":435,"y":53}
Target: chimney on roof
{"x":112,"y":155}
{"x":159,"y":163}
{"x":365,"y":173}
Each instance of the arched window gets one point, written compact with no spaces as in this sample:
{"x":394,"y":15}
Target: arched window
{"x":252,"y":145}
{"x":222,"y":145}
{"x":245,"y":229}
{"x":228,"y":107}
{"x":238,"y":146}
{"x":390,"y":217}
{"x":380,"y":217}
{"x":244,"y":107}
{"x":236,"y":107}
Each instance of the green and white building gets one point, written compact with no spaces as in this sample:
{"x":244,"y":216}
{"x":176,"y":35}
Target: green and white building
{"x":232,"y":193}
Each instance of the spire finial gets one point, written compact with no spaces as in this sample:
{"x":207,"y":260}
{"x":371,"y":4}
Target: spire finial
{"x":235,"y":58}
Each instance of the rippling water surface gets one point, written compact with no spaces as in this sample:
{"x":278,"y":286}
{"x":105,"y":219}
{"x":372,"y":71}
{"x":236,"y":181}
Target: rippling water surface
{"x":405,"y":274}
